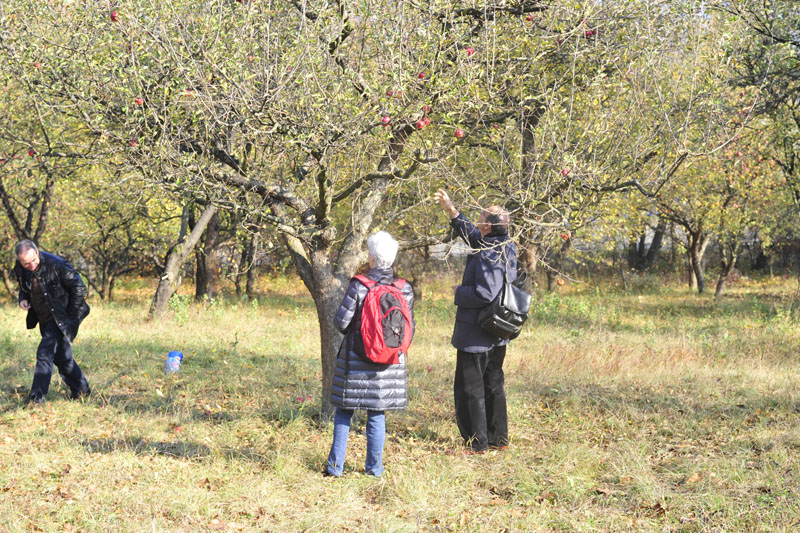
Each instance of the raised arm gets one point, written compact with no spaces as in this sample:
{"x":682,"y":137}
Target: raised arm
{"x":464,"y":228}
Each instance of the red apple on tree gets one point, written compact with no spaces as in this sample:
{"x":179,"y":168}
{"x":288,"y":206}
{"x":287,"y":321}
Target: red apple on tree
{"x":459,"y":133}
{"x":420,"y":124}
{"x":113,"y":16}
{"x":37,"y":65}
{"x":564,"y":171}
{"x":560,"y":282}
{"x":426,"y":120}
{"x":386,"y":120}
{"x":421,"y":75}
{"x":31,"y":152}
{"x":138,"y":101}
{"x":426,"y":109}
{"x":565,"y":236}
{"x":470,"y":51}
{"x":529,"y":18}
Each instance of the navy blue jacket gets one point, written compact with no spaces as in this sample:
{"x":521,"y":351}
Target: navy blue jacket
{"x":63,"y":289}
{"x":489,"y":260}
{"x":357,"y":382}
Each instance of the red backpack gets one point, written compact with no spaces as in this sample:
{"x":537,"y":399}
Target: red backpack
{"x":385,"y":321}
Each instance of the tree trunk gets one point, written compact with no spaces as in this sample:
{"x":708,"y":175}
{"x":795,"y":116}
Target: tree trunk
{"x":636,"y":252}
{"x":249,"y":264}
{"x":529,"y":260}
{"x":171,"y":278}
{"x":207,"y":277}
{"x":655,"y":246}
{"x":106,"y":291}
{"x":730,"y":254}
{"x":640,"y":256}
{"x":621,"y":269}
{"x":327,"y":301}
{"x":697,"y":249}
{"x":551,"y":281}
{"x":12,"y":293}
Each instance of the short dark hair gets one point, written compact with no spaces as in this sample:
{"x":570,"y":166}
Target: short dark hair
{"x":23,"y":246}
{"x":498,"y":218}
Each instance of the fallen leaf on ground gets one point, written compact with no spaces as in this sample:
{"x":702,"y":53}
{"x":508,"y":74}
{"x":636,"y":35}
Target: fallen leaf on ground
{"x":694,"y":478}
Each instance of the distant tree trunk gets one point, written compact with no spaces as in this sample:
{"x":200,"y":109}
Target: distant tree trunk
{"x":551,"y":280}
{"x":529,"y":260}
{"x":655,"y":246}
{"x":245,"y":264}
{"x":729,"y":255}
{"x":640,"y":256}
{"x":108,"y":281}
{"x":111,"y":288}
{"x":673,"y":249}
{"x":207,"y":272}
{"x":252,"y":248}
{"x":697,"y":249}
{"x":636,"y":252}
{"x":12,"y":293}
{"x":171,"y":279}
{"x":619,"y":262}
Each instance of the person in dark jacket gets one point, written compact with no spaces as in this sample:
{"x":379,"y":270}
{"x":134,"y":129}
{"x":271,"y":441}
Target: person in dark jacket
{"x":358,"y":383}
{"x":55,"y":297}
{"x":479,"y":384}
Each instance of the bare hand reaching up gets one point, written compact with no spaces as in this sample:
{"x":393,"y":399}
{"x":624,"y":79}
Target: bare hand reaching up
{"x":441,"y":198}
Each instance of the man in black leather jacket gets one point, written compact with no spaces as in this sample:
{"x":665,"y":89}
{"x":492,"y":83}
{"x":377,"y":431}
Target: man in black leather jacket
{"x":55,"y":297}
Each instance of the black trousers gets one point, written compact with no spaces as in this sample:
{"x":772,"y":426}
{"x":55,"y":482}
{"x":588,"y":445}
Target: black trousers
{"x":480,"y":398}
{"x":54,"y":349}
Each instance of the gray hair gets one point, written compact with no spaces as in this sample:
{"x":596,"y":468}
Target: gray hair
{"x":23,"y":246}
{"x":498,"y":218}
{"x":383,"y":248}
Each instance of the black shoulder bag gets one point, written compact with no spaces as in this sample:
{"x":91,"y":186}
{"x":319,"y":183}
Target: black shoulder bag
{"x":504,"y":317}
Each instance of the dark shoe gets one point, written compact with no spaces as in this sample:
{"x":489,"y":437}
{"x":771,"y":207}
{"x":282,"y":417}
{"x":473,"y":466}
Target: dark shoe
{"x":83,"y":393}
{"x":498,"y":448}
{"x":326,"y":473}
{"x":33,"y":400}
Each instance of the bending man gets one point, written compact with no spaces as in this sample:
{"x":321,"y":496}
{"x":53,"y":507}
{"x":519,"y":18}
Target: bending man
{"x":54,"y":296}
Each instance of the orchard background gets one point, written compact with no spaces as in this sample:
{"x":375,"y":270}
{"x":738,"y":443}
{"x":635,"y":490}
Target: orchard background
{"x":213,"y":169}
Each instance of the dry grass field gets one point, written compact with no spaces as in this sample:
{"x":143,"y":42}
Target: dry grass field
{"x":650,"y":410}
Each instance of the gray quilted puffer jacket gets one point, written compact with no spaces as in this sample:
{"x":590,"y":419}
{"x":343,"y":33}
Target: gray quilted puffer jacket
{"x":357,"y":382}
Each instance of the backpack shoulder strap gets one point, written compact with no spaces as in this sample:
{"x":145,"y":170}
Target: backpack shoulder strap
{"x":399,"y":283}
{"x":364,"y":280}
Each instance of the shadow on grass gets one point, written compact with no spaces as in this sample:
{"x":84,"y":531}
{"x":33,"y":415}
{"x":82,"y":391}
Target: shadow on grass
{"x":178,"y":448}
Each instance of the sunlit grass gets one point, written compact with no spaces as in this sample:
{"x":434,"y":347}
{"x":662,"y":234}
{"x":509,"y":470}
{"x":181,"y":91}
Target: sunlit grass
{"x":650,"y":410}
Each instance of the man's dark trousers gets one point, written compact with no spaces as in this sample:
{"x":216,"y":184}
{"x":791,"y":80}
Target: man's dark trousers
{"x":54,"y":349}
{"x":480,"y":398}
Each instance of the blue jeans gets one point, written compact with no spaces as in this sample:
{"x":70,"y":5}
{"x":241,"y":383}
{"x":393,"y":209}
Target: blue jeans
{"x":376,"y":434}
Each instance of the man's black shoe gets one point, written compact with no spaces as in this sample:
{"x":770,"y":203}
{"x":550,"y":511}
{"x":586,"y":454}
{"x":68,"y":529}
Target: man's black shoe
{"x":83,"y":393}
{"x":33,"y":399}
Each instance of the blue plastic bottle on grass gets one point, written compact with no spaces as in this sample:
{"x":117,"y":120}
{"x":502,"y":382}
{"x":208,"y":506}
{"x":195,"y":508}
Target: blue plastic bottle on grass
{"x":173,"y":362}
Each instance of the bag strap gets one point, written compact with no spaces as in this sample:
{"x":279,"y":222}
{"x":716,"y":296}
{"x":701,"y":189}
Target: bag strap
{"x":399,"y":283}
{"x":364,"y":280}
